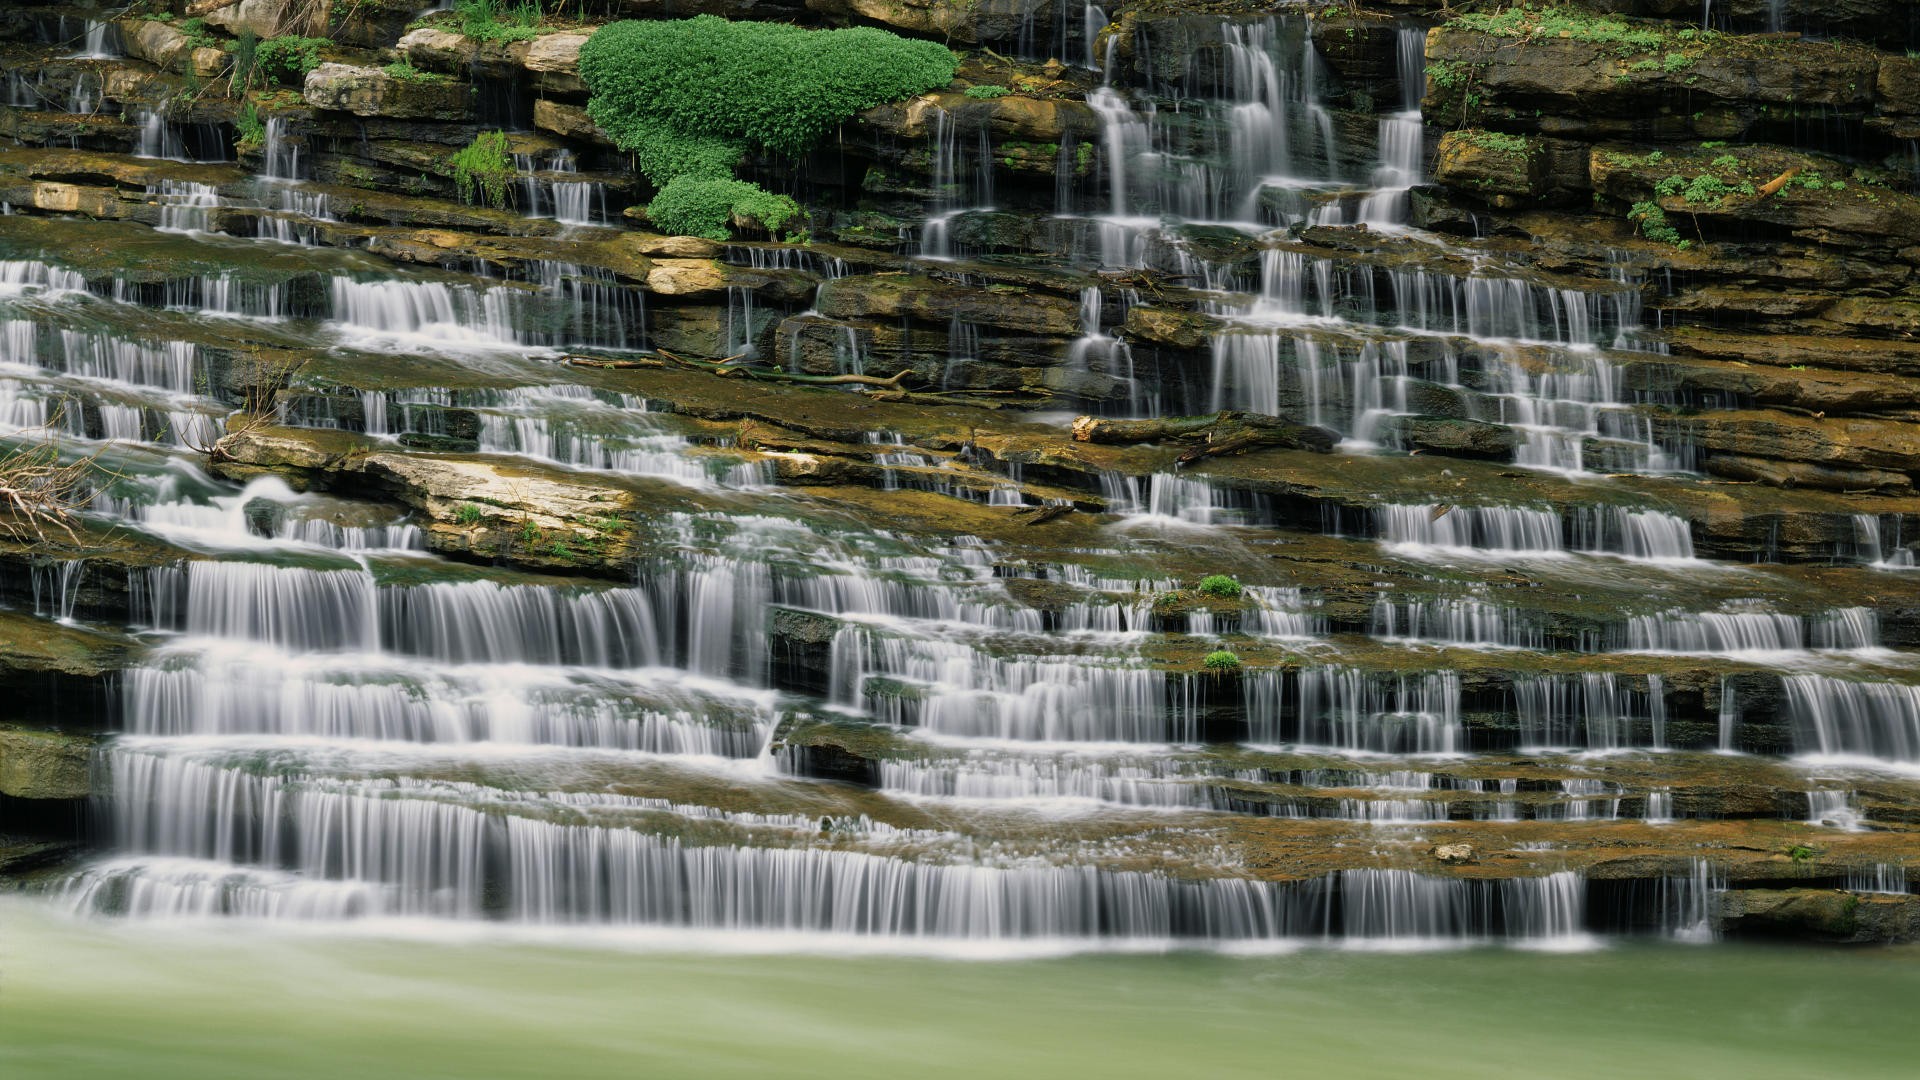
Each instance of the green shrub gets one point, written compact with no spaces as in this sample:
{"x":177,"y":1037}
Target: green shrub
{"x":701,"y":206}
{"x":289,"y":57}
{"x":987,"y":93}
{"x":1220,"y":660}
{"x":776,"y":86}
{"x":468,"y":514}
{"x":483,"y":169}
{"x":662,"y":153}
{"x":1220,"y":585}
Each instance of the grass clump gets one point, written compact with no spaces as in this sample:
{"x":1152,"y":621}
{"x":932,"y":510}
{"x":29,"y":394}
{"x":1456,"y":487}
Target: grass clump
{"x":1220,"y":585}
{"x":288,"y":58}
{"x":491,"y":20}
{"x":252,"y":130}
{"x":690,"y":97}
{"x":1220,"y":660}
{"x":467,"y":515}
{"x":483,"y":169}
{"x":987,"y":92}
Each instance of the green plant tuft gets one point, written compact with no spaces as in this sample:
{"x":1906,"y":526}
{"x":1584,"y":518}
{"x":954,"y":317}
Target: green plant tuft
{"x":468,"y":514}
{"x":483,"y":169}
{"x":1220,"y":585}
{"x":1220,"y":660}
{"x":987,"y":92}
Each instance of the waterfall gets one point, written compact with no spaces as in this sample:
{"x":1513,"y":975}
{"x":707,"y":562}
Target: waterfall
{"x":1834,"y":808}
{"x":184,"y":205}
{"x":157,"y":138}
{"x":1589,"y":710}
{"x":1402,"y":135}
{"x":1428,"y":529}
{"x":1349,"y":709}
{"x":1746,"y":632}
{"x":957,"y":189}
{"x":1460,"y":621}
{"x":1838,"y":717}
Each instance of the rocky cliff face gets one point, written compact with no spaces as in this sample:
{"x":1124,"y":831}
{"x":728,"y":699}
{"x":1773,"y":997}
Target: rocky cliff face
{"x":1544,"y":381}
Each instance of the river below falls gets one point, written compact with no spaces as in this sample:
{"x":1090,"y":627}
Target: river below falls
{"x":95,"y":998}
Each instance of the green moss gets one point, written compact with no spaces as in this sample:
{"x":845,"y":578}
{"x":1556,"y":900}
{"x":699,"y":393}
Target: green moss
{"x":1527,"y":23}
{"x":988,"y":92}
{"x":1497,"y":142}
{"x":1220,"y":660}
{"x":483,"y":169}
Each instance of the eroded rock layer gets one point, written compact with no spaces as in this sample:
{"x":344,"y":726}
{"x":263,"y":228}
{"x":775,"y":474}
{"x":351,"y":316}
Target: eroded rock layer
{"x":1213,"y":472}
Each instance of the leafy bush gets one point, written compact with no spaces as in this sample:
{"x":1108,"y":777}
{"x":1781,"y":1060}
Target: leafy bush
{"x":1220,"y":660}
{"x":289,"y":57}
{"x":987,"y":93}
{"x":780,"y":87}
{"x":689,"y":98}
{"x":1220,"y":585}
{"x":703,"y":206}
{"x":483,"y":169}
{"x":468,"y":514}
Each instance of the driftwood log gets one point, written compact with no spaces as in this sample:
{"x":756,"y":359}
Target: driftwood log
{"x":1227,"y":432}
{"x":731,"y":367}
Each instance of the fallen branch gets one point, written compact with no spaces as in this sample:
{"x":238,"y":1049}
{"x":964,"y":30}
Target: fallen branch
{"x":1227,"y":432}
{"x":1775,"y":184}
{"x":730,"y":367}
{"x":600,"y":362}
{"x":1045,"y":513}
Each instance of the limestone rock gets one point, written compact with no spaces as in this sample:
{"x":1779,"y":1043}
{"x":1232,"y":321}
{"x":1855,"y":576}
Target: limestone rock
{"x":972,"y":22}
{"x":554,"y":60}
{"x":1504,"y":170}
{"x":366,"y":91}
{"x":439,"y":50}
{"x":900,"y":295}
{"x":1452,"y":854}
{"x":155,"y":42}
{"x":266,"y":18}
{"x":45,"y":764}
{"x":568,"y":121}
{"x":687,"y":277}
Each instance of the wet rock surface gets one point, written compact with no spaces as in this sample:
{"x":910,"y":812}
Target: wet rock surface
{"x":1503,"y":484}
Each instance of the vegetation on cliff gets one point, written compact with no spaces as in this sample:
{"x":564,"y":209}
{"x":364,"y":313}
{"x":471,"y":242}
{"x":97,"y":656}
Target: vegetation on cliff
{"x":690,"y":97}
